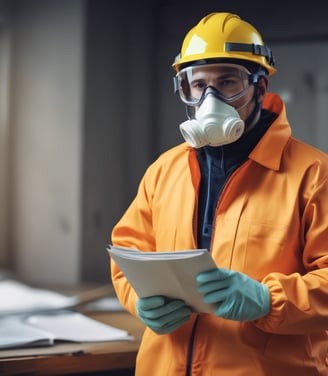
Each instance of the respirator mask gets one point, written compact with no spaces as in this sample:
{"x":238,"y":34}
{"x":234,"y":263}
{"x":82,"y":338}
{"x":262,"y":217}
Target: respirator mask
{"x":207,"y":90}
{"x":216,"y":123}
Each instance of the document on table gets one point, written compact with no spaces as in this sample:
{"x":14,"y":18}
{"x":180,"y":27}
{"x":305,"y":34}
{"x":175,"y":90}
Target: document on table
{"x":45,"y":329}
{"x":170,"y":274}
{"x":17,"y":297}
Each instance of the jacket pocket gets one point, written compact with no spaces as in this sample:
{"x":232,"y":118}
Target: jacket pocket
{"x":266,"y":250}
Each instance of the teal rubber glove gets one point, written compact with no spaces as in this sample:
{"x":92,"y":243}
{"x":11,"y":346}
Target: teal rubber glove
{"x":162,"y":315}
{"x":238,"y":296}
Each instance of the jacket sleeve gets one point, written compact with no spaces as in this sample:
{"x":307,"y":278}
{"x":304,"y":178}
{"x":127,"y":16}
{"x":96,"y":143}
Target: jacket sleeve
{"x":299,"y":301}
{"x":134,"y":230}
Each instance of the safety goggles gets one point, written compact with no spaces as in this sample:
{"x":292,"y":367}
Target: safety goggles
{"x":227,"y":81}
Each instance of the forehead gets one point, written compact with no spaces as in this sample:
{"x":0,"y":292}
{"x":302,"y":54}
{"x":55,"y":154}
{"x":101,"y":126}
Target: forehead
{"x":219,"y":69}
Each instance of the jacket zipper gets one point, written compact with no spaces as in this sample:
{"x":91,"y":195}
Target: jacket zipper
{"x":223,"y":191}
{"x":191,"y":347}
{"x":193,"y":333}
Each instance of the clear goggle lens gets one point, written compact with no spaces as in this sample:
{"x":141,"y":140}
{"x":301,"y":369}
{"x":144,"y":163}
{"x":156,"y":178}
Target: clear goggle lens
{"x":227,"y":81}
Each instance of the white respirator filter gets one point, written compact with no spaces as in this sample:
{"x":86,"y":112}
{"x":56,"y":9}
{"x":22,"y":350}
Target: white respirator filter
{"x":216,"y":123}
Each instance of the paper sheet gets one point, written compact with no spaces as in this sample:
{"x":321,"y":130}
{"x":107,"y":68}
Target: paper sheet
{"x":17,"y":297}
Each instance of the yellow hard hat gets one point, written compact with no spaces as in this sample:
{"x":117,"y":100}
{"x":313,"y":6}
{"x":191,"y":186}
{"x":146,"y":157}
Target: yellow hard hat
{"x":224,"y":36}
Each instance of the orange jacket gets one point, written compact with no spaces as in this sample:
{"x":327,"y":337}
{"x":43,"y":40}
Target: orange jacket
{"x":272,"y":224}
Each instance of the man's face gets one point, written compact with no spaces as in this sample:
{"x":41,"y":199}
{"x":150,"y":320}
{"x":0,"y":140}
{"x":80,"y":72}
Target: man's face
{"x":230,"y":81}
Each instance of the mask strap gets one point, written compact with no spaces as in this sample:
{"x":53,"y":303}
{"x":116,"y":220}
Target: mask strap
{"x":256,"y":110}
{"x":190,"y":111}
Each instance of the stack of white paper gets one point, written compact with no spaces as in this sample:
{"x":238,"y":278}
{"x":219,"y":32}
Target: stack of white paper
{"x":46,"y":329}
{"x":170,"y":274}
{"x":32,"y":317}
{"x":17,"y":297}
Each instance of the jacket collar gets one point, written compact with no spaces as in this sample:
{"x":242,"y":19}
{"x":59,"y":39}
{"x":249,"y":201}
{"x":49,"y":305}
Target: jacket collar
{"x":269,"y":150}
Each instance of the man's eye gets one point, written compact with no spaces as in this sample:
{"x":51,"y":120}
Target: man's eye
{"x":198,"y":85}
{"x":227,"y":83}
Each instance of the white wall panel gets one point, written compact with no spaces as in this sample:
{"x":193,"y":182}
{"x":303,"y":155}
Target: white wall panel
{"x":46,"y":119}
{"x":302,"y":80}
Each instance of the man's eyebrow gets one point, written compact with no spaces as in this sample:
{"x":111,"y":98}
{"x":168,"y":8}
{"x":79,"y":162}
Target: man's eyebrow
{"x":228,"y":74}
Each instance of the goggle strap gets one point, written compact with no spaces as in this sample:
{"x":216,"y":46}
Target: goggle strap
{"x":176,"y":84}
{"x":255,"y":49}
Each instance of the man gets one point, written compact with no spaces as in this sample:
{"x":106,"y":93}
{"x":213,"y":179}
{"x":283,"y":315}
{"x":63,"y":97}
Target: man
{"x":256,"y":198}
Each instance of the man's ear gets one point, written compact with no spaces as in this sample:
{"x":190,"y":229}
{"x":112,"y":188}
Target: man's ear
{"x":262,"y":87}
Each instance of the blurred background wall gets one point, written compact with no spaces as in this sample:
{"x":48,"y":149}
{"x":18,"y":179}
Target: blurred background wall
{"x":87,"y":103}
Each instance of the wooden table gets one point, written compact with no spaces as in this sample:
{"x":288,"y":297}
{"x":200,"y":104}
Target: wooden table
{"x":79,"y":359}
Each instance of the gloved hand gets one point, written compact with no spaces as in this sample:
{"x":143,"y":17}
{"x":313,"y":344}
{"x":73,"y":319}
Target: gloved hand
{"x":162,"y":315}
{"x":238,"y":296}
